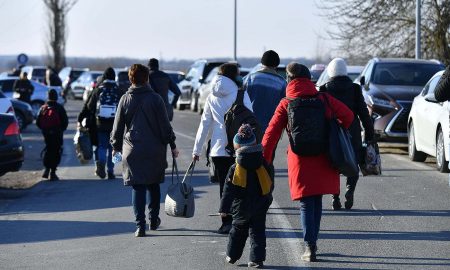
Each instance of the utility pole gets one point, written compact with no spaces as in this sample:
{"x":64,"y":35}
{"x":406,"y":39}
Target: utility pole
{"x":235,"y":31}
{"x":418,"y":49}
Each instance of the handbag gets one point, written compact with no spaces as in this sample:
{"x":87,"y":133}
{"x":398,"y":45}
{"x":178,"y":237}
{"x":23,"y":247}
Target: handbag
{"x":341,"y":151}
{"x":179,"y":200}
{"x":83,"y":146}
{"x":371,"y":164}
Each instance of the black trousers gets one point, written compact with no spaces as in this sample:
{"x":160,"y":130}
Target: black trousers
{"x":139,"y":198}
{"x":53,"y":149}
{"x":240,"y":230}
{"x":221,"y":167}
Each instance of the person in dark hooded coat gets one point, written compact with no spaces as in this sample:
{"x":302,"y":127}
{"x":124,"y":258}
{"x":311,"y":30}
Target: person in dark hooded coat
{"x":442,"y":90}
{"x":141,"y":132}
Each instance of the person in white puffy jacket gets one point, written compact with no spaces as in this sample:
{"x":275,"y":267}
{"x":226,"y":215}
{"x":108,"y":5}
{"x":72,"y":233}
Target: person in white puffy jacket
{"x":219,"y":101}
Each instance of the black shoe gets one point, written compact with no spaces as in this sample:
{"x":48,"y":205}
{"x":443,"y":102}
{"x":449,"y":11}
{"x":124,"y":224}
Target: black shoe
{"x":111,"y":176}
{"x":336,"y":203}
{"x":154,"y":224}
{"x":255,"y":264}
{"x":310,"y":254}
{"x":140,"y":232}
{"x":100,"y":169}
{"x":229,"y":260}
{"x":53,"y":176}
{"x":46,"y":173}
{"x":224,"y":229}
{"x":349,"y":199}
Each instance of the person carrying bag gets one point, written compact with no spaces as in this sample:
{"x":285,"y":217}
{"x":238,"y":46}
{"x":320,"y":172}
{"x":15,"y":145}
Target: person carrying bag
{"x":179,"y":200}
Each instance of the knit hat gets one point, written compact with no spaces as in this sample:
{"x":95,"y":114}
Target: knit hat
{"x":270,"y":59}
{"x":109,"y":74}
{"x":52,"y":95}
{"x":337,"y":67}
{"x":153,"y":63}
{"x":295,"y":70}
{"x":244,"y":136}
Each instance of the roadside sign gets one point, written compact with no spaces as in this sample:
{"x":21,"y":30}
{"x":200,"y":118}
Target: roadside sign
{"x":22,"y":59}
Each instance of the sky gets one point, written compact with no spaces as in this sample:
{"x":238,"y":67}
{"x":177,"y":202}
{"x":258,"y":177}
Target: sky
{"x":170,"y":29}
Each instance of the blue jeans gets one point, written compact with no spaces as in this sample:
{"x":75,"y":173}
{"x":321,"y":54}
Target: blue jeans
{"x":310,"y":214}
{"x":139,"y":198}
{"x":104,"y":151}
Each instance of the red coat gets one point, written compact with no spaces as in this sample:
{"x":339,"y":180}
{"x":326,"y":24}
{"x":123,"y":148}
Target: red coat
{"x":307,"y":175}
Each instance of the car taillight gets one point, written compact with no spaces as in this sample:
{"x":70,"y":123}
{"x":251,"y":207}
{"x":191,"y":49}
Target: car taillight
{"x":13,"y":129}
{"x":94,"y":84}
{"x":10,"y":110}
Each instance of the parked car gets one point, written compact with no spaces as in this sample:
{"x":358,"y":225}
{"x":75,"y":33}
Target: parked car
{"x":11,"y":147}
{"x":428,"y":127}
{"x":281,"y":70}
{"x":389,"y":87}
{"x":317,"y":70}
{"x":86,"y":81}
{"x":195,"y":77}
{"x":352,"y":72}
{"x":69,"y":75}
{"x":23,"y":112}
{"x":35,"y":73}
{"x":5,"y":104}
{"x":39,"y":95}
{"x":205,"y":88}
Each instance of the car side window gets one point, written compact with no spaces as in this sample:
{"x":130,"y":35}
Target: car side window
{"x":7,"y":86}
{"x":368,"y":73}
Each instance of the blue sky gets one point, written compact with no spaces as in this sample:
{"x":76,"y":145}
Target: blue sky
{"x":172,"y":29}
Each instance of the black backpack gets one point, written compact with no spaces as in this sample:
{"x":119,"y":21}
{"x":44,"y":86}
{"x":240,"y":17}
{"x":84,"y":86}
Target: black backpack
{"x":237,"y":115}
{"x":307,"y":126}
{"x":107,"y":102}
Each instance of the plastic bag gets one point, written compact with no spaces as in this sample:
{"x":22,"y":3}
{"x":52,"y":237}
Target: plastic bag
{"x":371,"y":160}
{"x":83,"y":146}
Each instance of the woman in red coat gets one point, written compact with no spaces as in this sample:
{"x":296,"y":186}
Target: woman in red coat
{"x":309,"y":176}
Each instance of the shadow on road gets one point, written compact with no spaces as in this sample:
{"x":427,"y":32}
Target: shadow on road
{"x":386,"y":260}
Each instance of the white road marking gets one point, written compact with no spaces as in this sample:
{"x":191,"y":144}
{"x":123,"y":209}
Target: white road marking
{"x":184,"y":135}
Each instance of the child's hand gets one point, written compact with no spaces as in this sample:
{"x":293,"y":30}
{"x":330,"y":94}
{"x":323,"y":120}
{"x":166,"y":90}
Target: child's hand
{"x":223,"y":215}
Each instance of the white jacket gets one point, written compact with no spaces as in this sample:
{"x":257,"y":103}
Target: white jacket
{"x":218,"y":102}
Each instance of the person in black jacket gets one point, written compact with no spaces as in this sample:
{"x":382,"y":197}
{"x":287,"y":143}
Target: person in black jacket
{"x":52,"y":78}
{"x":442,"y":90}
{"x":341,"y":87}
{"x":247,"y":196}
{"x":24,"y":87}
{"x":52,"y":120}
{"x":99,"y":110}
{"x":162,"y":84}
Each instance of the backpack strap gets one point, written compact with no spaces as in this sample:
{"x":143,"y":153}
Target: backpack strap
{"x":240,"y":97}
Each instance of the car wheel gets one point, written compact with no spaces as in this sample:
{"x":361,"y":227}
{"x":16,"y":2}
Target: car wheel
{"x":194,"y":102}
{"x":36,"y":106}
{"x":413,"y":154}
{"x":181,"y":107}
{"x":21,"y":120}
{"x":441,"y":163}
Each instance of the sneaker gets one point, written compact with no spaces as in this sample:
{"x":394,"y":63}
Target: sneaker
{"x":224,"y":229}
{"x":100,"y":170}
{"x":140,"y":232}
{"x":349,"y":199}
{"x":255,"y":264}
{"x":154,"y":224}
{"x":46,"y":173}
{"x":310,"y":254}
{"x":336,"y":203}
{"x":229,"y":260}
{"x":111,"y":176}
{"x":53,"y":176}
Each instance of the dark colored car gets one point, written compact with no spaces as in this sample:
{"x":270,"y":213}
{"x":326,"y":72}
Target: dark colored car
{"x":195,"y":77}
{"x":24,"y":113}
{"x":389,"y":87}
{"x":11,"y":147}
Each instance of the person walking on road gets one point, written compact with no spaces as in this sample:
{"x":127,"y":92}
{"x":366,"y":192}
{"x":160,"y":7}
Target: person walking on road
{"x":223,"y":95}
{"x":162,"y":84}
{"x":24,"y":88}
{"x":52,"y":120}
{"x":247,"y":196}
{"x":100,"y":108}
{"x":309,"y":176}
{"x":442,"y":90}
{"x":141,"y":132}
{"x":265,"y":88}
{"x":340,"y":86}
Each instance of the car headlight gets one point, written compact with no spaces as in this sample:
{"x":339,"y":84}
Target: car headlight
{"x":380,"y":102}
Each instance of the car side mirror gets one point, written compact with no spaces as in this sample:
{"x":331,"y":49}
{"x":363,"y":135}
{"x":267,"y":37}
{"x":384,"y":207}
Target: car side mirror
{"x":431,"y":98}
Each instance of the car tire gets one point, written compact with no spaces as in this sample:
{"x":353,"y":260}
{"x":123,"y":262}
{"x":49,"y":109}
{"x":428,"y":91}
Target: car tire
{"x":181,"y":107}
{"x":194,"y":102}
{"x":413,"y":153}
{"x":36,"y":106}
{"x":21,"y":120}
{"x":441,"y":163}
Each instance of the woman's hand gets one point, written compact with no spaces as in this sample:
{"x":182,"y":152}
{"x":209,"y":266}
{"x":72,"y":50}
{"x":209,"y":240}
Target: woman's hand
{"x":175,"y":152}
{"x":195,"y":158}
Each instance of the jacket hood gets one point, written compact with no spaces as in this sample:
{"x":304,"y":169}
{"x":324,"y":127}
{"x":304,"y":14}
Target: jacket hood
{"x":136,"y":89}
{"x":250,"y":157}
{"x":223,"y":86}
{"x":300,"y":87}
{"x":340,"y":84}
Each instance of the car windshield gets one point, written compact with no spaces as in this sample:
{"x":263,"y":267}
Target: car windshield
{"x":415,"y":74}
{"x":76,"y":74}
{"x":95,"y":75}
{"x":38,"y":72}
{"x":315,"y":74}
{"x":353,"y":76}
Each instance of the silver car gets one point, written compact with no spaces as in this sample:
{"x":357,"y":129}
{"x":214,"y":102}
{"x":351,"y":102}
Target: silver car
{"x":86,"y":81}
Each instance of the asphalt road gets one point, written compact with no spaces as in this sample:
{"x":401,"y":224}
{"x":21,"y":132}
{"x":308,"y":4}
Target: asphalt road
{"x":401,"y":220}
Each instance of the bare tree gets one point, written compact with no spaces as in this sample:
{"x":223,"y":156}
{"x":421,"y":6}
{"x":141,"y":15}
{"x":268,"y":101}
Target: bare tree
{"x":57,"y":11}
{"x":386,"y":28}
